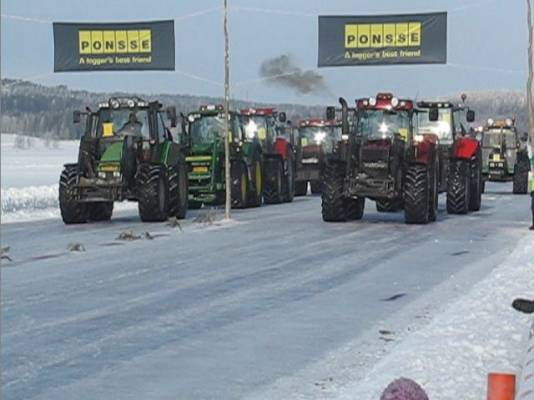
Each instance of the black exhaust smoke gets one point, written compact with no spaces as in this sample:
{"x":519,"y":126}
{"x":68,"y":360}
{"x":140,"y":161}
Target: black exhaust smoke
{"x":282,"y":71}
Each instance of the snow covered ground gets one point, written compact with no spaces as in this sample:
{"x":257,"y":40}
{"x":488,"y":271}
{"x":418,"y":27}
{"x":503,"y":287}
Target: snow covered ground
{"x":275,"y":304}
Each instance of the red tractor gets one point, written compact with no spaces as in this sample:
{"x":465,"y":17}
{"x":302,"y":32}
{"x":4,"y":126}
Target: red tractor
{"x":263,"y":124}
{"x":316,"y":139}
{"x":382,"y":158}
{"x":460,"y":155}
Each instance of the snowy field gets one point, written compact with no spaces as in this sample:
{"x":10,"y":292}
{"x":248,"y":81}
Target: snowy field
{"x":30,"y":169}
{"x":275,"y":304}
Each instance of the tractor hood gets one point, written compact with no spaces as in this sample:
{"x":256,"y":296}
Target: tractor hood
{"x":111,"y":159}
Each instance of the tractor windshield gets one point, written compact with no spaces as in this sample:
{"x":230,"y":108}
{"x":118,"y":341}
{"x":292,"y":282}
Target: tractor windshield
{"x":326,"y":137}
{"x":383,"y":124}
{"x":255,"y":127}
{"x":122,"y":122}
{"x":442,"y":128}
{"x":207,"y":129}
{"x":498,"y":137}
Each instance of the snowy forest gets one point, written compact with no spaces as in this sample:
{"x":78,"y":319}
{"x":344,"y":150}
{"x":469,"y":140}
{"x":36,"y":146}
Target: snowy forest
{"x":46,"y":111}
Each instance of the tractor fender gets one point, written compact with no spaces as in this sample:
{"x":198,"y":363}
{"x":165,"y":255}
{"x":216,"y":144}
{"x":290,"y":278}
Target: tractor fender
{"x":425,"y":149}
{"x":281,"y":146}
{"x":465,"y":148}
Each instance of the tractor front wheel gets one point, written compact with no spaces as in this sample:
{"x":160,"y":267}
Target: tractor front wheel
{"x":152,"y":193}
{"x":272,"y":193}
{"x":301,"y":188}
{"x":333,"y":203}
{"x":355,"y":208}
{"x":72,"y":211}
{"x":178,"y":187}
{"x":417,"y":195}
{"x":458,"y":187}
{"x":239,"y":185}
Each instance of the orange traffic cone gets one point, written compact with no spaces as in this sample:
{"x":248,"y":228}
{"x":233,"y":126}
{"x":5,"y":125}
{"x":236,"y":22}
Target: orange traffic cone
{"x":501,"y":386}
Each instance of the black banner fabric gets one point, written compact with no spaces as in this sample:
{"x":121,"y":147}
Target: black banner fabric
{"x":382,"y":39}
{"x":114,"y":46}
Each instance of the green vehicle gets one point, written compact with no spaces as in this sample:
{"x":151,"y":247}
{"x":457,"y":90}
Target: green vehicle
{"x":126,"y":153}
{"x":505,"y":155}
{"x":206,"y":160}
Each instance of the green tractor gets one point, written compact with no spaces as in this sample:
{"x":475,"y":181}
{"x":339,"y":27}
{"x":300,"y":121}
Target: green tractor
{"x":505,"y":154}
{"x":126,"y":153}
{"x":271,"y":129}
{"x":206,"y":160}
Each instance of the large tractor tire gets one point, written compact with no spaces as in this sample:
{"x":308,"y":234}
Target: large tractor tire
{"x":334,"y":204}
{"x":316,"y":187}
{"x":152,"y":193}
{"x":521,"y":168}
{"x":458,"y":187}
{"x":434,"y":193}
{"x":72,"y":211}
{"x":476,"y":182}
{"x":178,"y":190}
{"x":389,"y":205}
{"x":256,"y":194}
{"x":274,"y":173}
{"x":301,"y":188}
{"x":101,"y":211}
{"x":289,"y":181}
{"x":240,"y":185}
{"x":417,"y":194}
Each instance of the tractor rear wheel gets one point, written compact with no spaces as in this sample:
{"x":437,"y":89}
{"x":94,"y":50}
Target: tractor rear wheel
{"x":417,"y":195}
{"x":272,"y":192}
{"x":355,"y":208}
{"x":389,"y":205}
{"x":100,"y":211}
{"x":458,"y":185}
{"x":301,"y":188}
{"x":334,"y":204}
{"x":256,"y":195}
{"x":475,"y":189}
{"x":521,"y":168}
{"x":239,"y":185}
{"x":152,"y":193}
{"x":178,"y":191}
{"x":72,"y":211}
{"x":316,"y":187}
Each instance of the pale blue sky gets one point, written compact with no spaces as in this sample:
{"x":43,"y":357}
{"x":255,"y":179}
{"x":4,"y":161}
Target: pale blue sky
{"x":486,"y":49}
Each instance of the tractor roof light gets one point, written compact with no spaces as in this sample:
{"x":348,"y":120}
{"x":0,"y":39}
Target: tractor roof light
{"x":394,"y":102}
{"x":490,"y":121}
{"x":103,"y":105}
{"x":114,"y":103}
{"x":372,"y":101}
{"x":131,"y":103}
{"x":509,"y":122}
{"x":418,"y":138}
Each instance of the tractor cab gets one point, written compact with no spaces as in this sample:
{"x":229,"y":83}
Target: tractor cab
{"x":318,"y":135}
{"x":270,"y":129}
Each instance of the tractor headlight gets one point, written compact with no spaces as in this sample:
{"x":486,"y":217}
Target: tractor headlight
{"x":114,"y":104}
{"x":131,"y":103}
{"x":418,"y":138}
{"x":102,"y":175}
{"x":116,"y":174}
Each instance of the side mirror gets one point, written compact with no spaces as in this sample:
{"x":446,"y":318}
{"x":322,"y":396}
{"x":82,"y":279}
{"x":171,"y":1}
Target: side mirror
{"x":330,"y":113}
{"x":433,"y":114}
{"x":171,"y":115}
{"x":470,"y":116}
{"x":282,"y":117}
{"x":76,"y":117}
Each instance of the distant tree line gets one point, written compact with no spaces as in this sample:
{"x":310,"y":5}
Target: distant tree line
{"x":46,"y":111}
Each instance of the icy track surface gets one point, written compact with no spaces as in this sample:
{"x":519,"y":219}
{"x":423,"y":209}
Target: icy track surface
{"x":275,"y":304}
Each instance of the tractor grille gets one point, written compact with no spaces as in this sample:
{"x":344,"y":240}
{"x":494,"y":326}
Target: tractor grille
{"x":375,"y":161}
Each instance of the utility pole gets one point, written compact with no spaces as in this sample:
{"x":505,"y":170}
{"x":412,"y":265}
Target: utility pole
{"x":228,"y":183}
{"x":530,"y":101}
